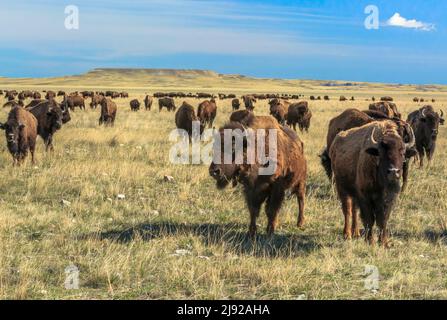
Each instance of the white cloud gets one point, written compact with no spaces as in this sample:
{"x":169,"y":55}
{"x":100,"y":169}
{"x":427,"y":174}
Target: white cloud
{"x":398,"y":21}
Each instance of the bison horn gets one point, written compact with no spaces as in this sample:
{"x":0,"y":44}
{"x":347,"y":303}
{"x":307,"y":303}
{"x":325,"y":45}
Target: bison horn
{"x":410,"y":144}
{"x":423,"y":113}
{"x":373,"y":140}
{"x":442,"y":114}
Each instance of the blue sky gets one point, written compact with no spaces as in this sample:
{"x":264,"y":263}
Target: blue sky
{"x":319,"y":39}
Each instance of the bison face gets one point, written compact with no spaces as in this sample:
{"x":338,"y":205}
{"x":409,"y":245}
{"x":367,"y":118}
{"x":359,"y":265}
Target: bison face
{"x":223,"y":173}
{"x":390,"y":151}
{"x":430,"y":125}
{"x":12,"y":133}
{"x":54,"y":118}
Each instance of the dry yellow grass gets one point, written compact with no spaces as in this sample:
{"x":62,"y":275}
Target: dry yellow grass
{"x":125,"y":248}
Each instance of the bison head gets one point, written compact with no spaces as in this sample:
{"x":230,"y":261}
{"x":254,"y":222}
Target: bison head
{"x":430,"y":123}
{"x":12,"y":133}
{"x":221,"y":169}
{"x":55,"y":117}
{"x":390,"y":151}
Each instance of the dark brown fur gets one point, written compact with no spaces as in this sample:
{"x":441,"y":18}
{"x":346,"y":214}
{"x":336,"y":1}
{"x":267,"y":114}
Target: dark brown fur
{"x":108,"y":112}
{"x":366,"y":175}
{"x":206,"y":112}
{"x":21,"y":133}
{"x":290,"y":174}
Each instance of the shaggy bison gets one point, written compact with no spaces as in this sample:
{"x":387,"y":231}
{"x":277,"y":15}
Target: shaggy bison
{"x":235,"y":104}
{"x":353,"y":118}
{"x":166,"y":102}
{"x":299,"y":113}
{"x":278,"y":110}
{"x":367,"y":163}
{"x":50,"y":118}
{"x":73,"y":101}
{"x":184,"y":118}
{"x":134,"y":105}
{"x":207,"y":111}
{"x":425,"y":123}
{"x":249,"y":102}
{"x":108,"y":112}
{"x":21,"y":133}
{"x":259,"y":187}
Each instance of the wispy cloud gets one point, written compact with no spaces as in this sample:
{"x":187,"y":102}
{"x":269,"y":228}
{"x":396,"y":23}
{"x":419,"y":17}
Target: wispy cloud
{"x":398,"y":21}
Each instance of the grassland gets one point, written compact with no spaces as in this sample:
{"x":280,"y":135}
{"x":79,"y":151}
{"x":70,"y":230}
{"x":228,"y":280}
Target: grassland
{"x":128,"y":248}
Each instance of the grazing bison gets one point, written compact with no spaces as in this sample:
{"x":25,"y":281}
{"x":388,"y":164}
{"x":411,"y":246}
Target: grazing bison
{"x":166,"y":102}
{"x":108,"y":112}
{"x":21,"y":132}
{"x":124,"y":95}
{"x":386,"y":98}
{"x":235,"y":104}
{"x":299,"y":113}
{"x":244,"y":117}
{"x":249,"y":102}
{"x":343,"y":98}
{"x":207,"y":111}
{"x":148,"y":102}
{"x":278,"y":110}
{"x":134,"y":105}
{"x":184,"y":118}
{"x":425,"y":123}
{"x":73,"y":101}
{"x":367,"y":163}
{"x":50,"y":118}
{"x":388,"y":108}
{"x":326,"y":98}
{"x":289,"y":170}
{"x":353,"y":118}
{"x":415,"y":99}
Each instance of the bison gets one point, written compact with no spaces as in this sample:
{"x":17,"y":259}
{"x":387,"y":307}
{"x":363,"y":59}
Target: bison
{"x":108,"y":112}
{"x":148,"y":102}
{"x":207,"y":111}
{"x":50,"y":95}
{"x":278,"y":110}
{"x":235,"y":104}
{"x":134,"y":105}
{"x":21,"y":133}
{"x":73,"y":101}
{"x":425,"y":123}
{"x":299,"y":113}
{"x":249,"y":102}
{"x":96,"y":100}
{"x":50,"y":117}
{"x":184,"y":118}
{"x":388,"y":108}
{"x":367,"y":163}
{"x":289,"y":170}
{"x":166,"y":102}
{"x":353,"y":118}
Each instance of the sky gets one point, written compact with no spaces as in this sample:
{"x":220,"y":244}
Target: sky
{"x":308,"y":39}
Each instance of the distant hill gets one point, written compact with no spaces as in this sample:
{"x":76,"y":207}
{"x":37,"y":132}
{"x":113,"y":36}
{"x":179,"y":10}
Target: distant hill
{"x":191,"y":80}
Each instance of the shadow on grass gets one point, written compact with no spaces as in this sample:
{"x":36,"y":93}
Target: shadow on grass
{"x":231,"y":236}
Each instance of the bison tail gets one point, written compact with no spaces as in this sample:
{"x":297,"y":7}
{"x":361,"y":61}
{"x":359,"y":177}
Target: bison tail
{"x":326,"y":163}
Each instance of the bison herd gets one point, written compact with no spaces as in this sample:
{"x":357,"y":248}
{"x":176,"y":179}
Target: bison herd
{"x":367,"y":154}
